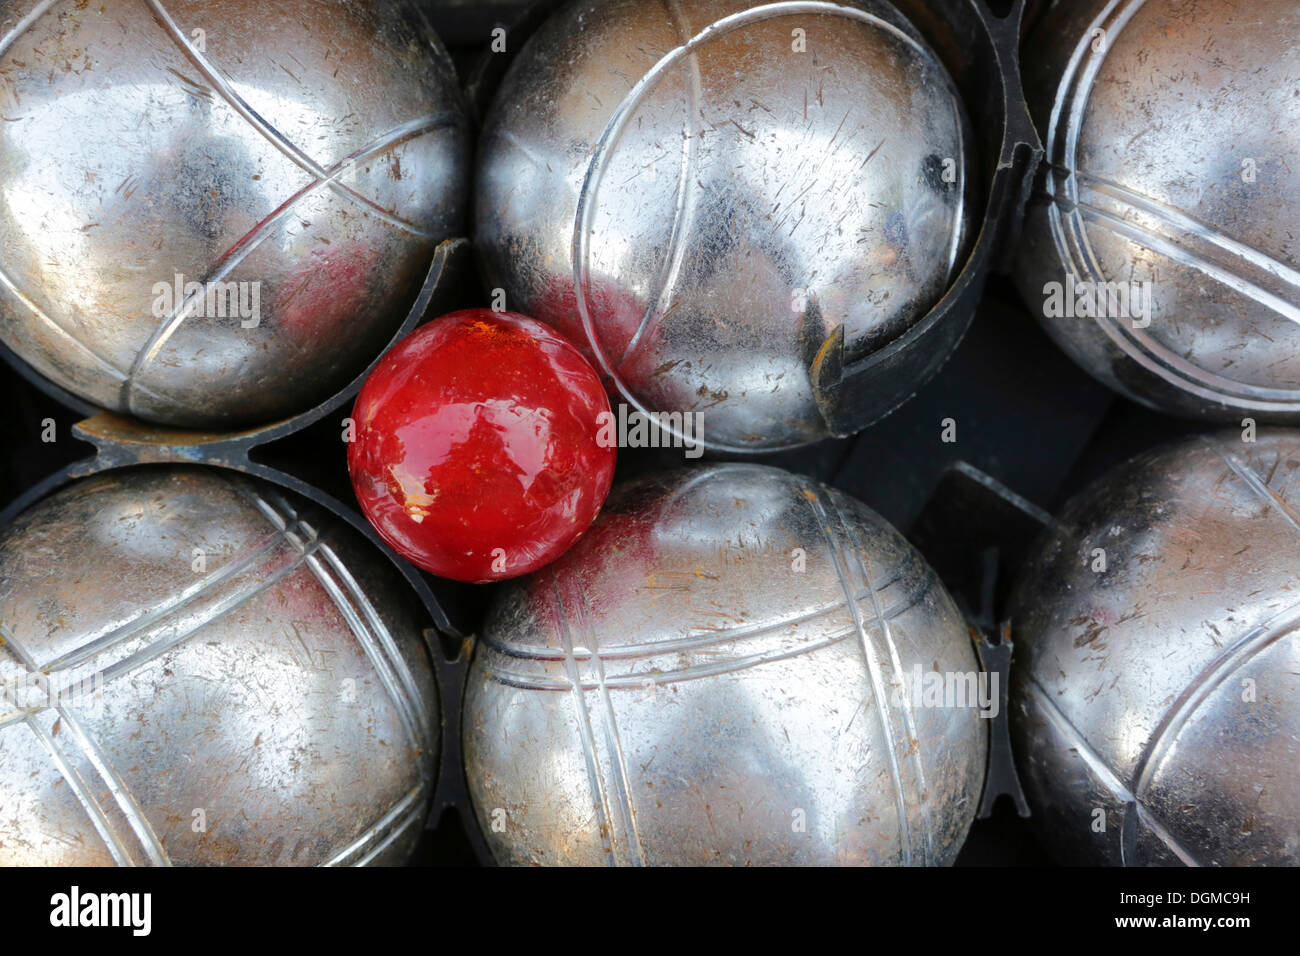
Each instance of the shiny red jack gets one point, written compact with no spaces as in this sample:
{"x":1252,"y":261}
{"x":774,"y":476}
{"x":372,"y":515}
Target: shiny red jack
{"x":477,"y":453}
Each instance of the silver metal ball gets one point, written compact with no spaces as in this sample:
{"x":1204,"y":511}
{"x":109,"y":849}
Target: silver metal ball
{"x":1170,"y":131}
{"x":714,"y":674}
{"x":702,"y":193}
{"x":1156,"y":687}
{"x":193,"y":673}
{"x":296,"y":162}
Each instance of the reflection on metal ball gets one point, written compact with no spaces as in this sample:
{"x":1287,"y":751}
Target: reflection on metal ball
{"x":215,"y":215}
{"x":1156,"y":678}
{"x":192,"y":672}
{"x":721,"y":672}
{"x":702,"y":193}
{"x":1160,"y":249}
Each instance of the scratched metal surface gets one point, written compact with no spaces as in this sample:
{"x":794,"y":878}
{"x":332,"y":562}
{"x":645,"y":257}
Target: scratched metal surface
{"x":671,"y":672}
{"x":308,"y":155}
{"x":276,"y":706}
{"x":668,"y":185}
{"x":1166,"y":146}
{"x":1163,"y":692}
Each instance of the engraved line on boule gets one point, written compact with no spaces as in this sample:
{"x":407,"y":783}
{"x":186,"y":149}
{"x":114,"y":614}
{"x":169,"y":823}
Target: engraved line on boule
{"x":1069,"y":233}
{"x":75,"y":782}
{"x":959,"y":225}
{"x":580,"y":251}
{"x":1180,"y":222}
{"x":369,"y":648}
{"x":699,"y":639}
{"x":1211,"y":677}
{"x":1104,"y":774}
{"x":1071,"y":99}
{"x":594,"y":777}
{"x":408,"y":705}
{"x":1255,"y":483}
{"x":23,"y":25}
{"x":18,"y":716}
{"x":157,"y":648}
{"x":64,"y":335}
{"x":684,"y":207}
{"x":381,"y":828}
{"x":636,"y":680}
{"x":242,"y":248}
{"x":216,"y":610}
{"x":173,"y":602}
{"x":126,"y":800}
{"x":613,"y":740}
{"x":1072,"y":93}
{"x":858,"y":551}
{"x":386,"y":646}
{"x":1208,"y":680}
{"x":1073,"y":247}
{"x":121,"y":793}
{"x":276,"y":138}
{"x":1149,"y":239}
{"x":396,"y":833}
{"x":833,"y":546}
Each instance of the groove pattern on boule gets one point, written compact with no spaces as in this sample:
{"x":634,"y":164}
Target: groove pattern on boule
{"x":1159,"y":250}
{"x":702,"y":193}
{"x":214,"y":215}
{"x":1154,"y":702}
{"x":674,"y":691}
{"x":222,"y":680}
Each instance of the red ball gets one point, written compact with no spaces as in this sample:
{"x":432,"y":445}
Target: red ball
{"x":476,"y":453}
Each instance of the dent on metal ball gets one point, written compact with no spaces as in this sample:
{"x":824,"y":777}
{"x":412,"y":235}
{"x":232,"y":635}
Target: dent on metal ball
{"x":1156,"y":679}
{"x":193,"y":672}
{"x":719,"y":673}
{"x":702,"y":193}
{"x":1161,"y":246}
{"x":216,"y":214}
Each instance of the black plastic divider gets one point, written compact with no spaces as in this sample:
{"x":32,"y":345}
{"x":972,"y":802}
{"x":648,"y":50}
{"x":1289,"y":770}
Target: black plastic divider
{"x":981,"y":51}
